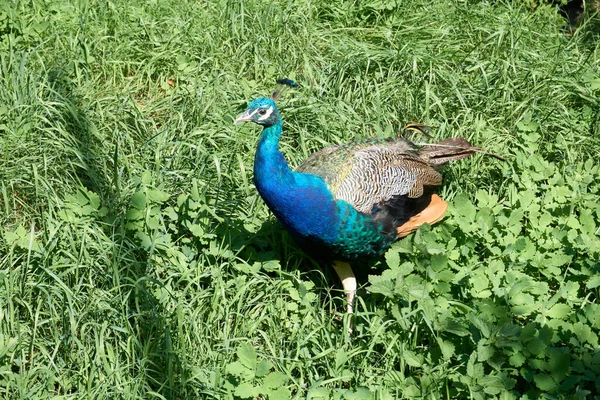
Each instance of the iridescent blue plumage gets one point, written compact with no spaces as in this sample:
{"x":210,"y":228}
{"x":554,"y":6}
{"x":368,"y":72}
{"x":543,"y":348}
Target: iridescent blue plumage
{"x":303,"y":203}
{"x":352,"y":201}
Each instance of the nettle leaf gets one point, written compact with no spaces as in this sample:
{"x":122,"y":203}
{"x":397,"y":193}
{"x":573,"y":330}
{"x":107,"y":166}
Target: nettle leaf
{"x":346,"y":375}
{"x":145,"y":240}
{"x":558,"y":362}
{"x":593,"y":282}
{"x":484,"y":351}
{"x":455,"y":326}
{"x":558,"y":260}
{"x":465,"y":207}
{"x":592,"y":313}
{"x":492,"y":384}
{"x":545,"y":220}
{"x":446,"y":347}
{"x":510,"y":330}
{"x":247,"y":355}
{"x":480,"y":284}
{"x":438,"y":262}
{"x":340,"y":358}
{"x":584,"y":333}
{"x":392,"y":259}
{"x":413,"y":359}
{"x":528,"y":332}
{"x":474,"y":369}
{"x":480,"y":325}
{"x":383,"y":284}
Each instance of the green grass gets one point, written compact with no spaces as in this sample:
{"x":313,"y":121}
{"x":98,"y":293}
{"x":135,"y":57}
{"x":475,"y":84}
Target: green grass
{"x":138,"y":261}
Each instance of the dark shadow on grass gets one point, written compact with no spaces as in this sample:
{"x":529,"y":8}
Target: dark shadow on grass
{"x":154,"y":354}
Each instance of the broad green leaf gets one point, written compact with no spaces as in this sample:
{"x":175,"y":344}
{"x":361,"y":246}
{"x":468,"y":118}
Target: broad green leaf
{"x":558,"y":260}
{"x":134,"y":214}
{"x":195,"y":229}
{"x":392,"y":258}
{"x":145,"y":240}
{"x":359,"y":394}
{"x":346,"y":375}
{"x":492,"y":384}
{"x":236,"y":369}
{"x":275,"y":380}
{"x":480,"y":325}
{"x":412,"y":359}
{"x":593,"y":282}
{"x":247,"y":355}
{"x":484,"y":352}
{"x":474,"y":369}
{"x":279,"y":394}
{"x":524,"y":309}
{"x":438,"y":262}
{"x":559,"y":310}
{"x":246,"y":391}
{"x":383,"y":284}
{"x":455,"y":326}
{"x":558,"y":362}
{"x":583,"y":332}
{"x":510,"y":330}
{"x":528,"y":332}
{"x":465,"y":207}
{"x":446,"y":347}
{"x":545,"y":382}
{"x":536,"y":346}
{"x":319,"y":393}
{"x":340,"y":358}
{"x":517,"y":359}
{"x":157,"y":196}
{"x":146,"y":177}
{"x":595,"y":84}
{"x":138,"y":200}
{"x":263,"y":367}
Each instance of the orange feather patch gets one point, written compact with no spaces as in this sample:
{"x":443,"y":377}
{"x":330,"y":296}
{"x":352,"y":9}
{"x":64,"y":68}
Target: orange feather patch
{"x":433,"y":213}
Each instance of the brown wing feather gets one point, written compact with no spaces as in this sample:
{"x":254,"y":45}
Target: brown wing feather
{"x":373,"y":171}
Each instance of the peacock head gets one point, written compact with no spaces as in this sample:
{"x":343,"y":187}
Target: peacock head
{"x":261,"y":111}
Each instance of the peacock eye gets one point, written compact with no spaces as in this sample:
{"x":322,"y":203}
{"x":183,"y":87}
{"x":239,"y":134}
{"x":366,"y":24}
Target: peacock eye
{"x":262,"y":111}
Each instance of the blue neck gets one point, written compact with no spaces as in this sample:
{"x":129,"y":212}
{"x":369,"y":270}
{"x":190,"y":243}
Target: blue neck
{"x":270,"y":168}
{"x":302,"y":202}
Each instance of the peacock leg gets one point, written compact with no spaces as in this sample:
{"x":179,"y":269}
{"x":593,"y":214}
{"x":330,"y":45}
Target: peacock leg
{"x":348,"y":279}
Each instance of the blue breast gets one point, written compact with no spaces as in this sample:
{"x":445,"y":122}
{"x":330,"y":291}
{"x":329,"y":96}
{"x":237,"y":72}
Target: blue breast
{"x":305,"y":206}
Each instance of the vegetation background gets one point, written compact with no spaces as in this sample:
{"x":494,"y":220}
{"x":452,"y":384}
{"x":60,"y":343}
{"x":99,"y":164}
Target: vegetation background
{"x":137,"y":260}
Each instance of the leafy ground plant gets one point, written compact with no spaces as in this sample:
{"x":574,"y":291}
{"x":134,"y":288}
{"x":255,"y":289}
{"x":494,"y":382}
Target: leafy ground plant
{"x":137,"y":260}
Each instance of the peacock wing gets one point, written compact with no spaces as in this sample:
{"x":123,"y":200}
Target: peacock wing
{"x":334,"y":163}
{"x":372,"y":171}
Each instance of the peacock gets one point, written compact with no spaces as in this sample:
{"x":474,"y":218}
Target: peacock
{"x":349,"y":202}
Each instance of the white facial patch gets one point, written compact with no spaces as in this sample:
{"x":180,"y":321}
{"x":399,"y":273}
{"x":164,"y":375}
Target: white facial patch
{"x":267,"y":114}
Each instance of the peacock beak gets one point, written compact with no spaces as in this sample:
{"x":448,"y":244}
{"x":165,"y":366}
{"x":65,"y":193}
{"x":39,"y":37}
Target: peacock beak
{"x":245,"y":117}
